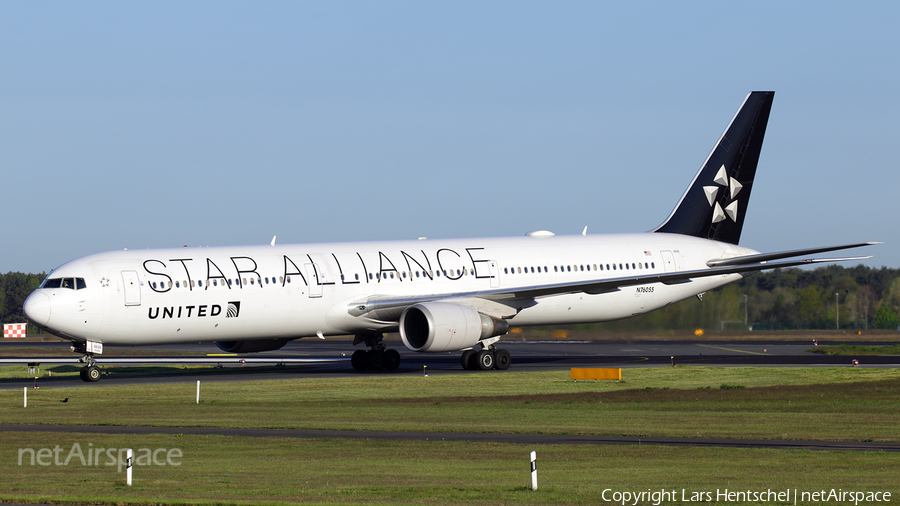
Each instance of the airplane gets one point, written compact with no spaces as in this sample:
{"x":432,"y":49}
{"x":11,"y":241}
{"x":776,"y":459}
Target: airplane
{"x":440,"y":295}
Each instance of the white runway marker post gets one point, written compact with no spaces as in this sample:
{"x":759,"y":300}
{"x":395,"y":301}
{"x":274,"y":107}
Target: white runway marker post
{"x":129,"y":460}
{"x":533,"y":470}
{"x":26,"y":398}
{"x":198,"y":391}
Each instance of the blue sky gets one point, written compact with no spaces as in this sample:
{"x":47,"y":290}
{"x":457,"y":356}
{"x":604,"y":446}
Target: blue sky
{"x":162,"y":124}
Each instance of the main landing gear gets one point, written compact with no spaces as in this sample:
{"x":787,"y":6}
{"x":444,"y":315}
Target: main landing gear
{"x":377,"y":357}
{"x":90,"y":372}
{"x":487,"y":358}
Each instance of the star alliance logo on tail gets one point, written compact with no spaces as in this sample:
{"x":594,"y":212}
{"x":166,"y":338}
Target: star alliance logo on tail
{"x":732,"y":186}
{"x":234,"y":309}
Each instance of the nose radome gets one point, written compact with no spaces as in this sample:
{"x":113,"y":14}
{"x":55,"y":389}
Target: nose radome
{"x":37,"y":308}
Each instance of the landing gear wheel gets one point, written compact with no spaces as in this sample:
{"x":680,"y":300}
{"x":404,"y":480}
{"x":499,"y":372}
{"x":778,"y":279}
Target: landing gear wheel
{"x":502,"y":359}
{"x":83,"y":374}
{"x":391,"y":359}
{"x":485,"y":360}
{"x":467,"y":360}
{"x":359,"y":360}
{"x":376,"y":359}
{"x":90,"y":373}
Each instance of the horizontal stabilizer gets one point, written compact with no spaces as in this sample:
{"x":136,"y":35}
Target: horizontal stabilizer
{"x":766,"y":257}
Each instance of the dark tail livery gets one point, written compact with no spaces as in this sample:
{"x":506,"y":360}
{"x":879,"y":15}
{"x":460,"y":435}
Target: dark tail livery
{"x":714,"y":205}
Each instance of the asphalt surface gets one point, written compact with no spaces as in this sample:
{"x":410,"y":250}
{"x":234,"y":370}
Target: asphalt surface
{"x":476,"y":437}
{"x":526,"y":356}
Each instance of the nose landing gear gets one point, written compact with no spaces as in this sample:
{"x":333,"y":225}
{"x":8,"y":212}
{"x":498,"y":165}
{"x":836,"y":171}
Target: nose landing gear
{"x":90,"y":372}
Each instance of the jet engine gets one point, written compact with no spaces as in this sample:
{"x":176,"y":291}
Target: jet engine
{"x":443,"y":326}
{"x":252,"y":346}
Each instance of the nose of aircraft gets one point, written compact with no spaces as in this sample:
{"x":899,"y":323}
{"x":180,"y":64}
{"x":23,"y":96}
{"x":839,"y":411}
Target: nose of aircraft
{"x":37,"y":308}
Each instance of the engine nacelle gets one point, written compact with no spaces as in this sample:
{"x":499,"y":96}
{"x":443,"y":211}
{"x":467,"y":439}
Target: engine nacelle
{"x":252,"y":346}
{"x":443,"y":326}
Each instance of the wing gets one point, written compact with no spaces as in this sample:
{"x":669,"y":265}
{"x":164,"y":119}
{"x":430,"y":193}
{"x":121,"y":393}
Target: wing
{"x":501,"y":302}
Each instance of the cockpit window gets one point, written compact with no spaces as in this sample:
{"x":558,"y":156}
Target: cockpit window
{"x":70,"y":283}
{"x":52,"y":283}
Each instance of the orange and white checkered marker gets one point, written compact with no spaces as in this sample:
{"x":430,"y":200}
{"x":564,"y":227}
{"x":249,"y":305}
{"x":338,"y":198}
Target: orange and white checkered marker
{"x":14,"y":330}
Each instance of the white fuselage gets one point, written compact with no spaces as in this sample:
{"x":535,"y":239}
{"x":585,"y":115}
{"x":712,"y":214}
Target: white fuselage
{"x":137,"y":297}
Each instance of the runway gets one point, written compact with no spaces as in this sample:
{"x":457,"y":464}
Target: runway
{"x":526,"y":356}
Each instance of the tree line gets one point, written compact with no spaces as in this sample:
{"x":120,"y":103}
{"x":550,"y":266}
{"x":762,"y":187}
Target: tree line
{"x":829,"y":297}
{"x":15,"y":287}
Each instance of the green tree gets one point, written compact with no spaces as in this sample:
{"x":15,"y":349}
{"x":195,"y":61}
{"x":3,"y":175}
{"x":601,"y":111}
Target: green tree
{"x":885,"y":318}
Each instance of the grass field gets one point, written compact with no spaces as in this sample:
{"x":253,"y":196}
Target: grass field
{"x":775,"y":403}
{"x":226,"y":470}
{"x":794,"y":403}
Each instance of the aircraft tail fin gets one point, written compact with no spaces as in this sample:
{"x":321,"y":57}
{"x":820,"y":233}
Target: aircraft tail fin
{"x":714,"y":205}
